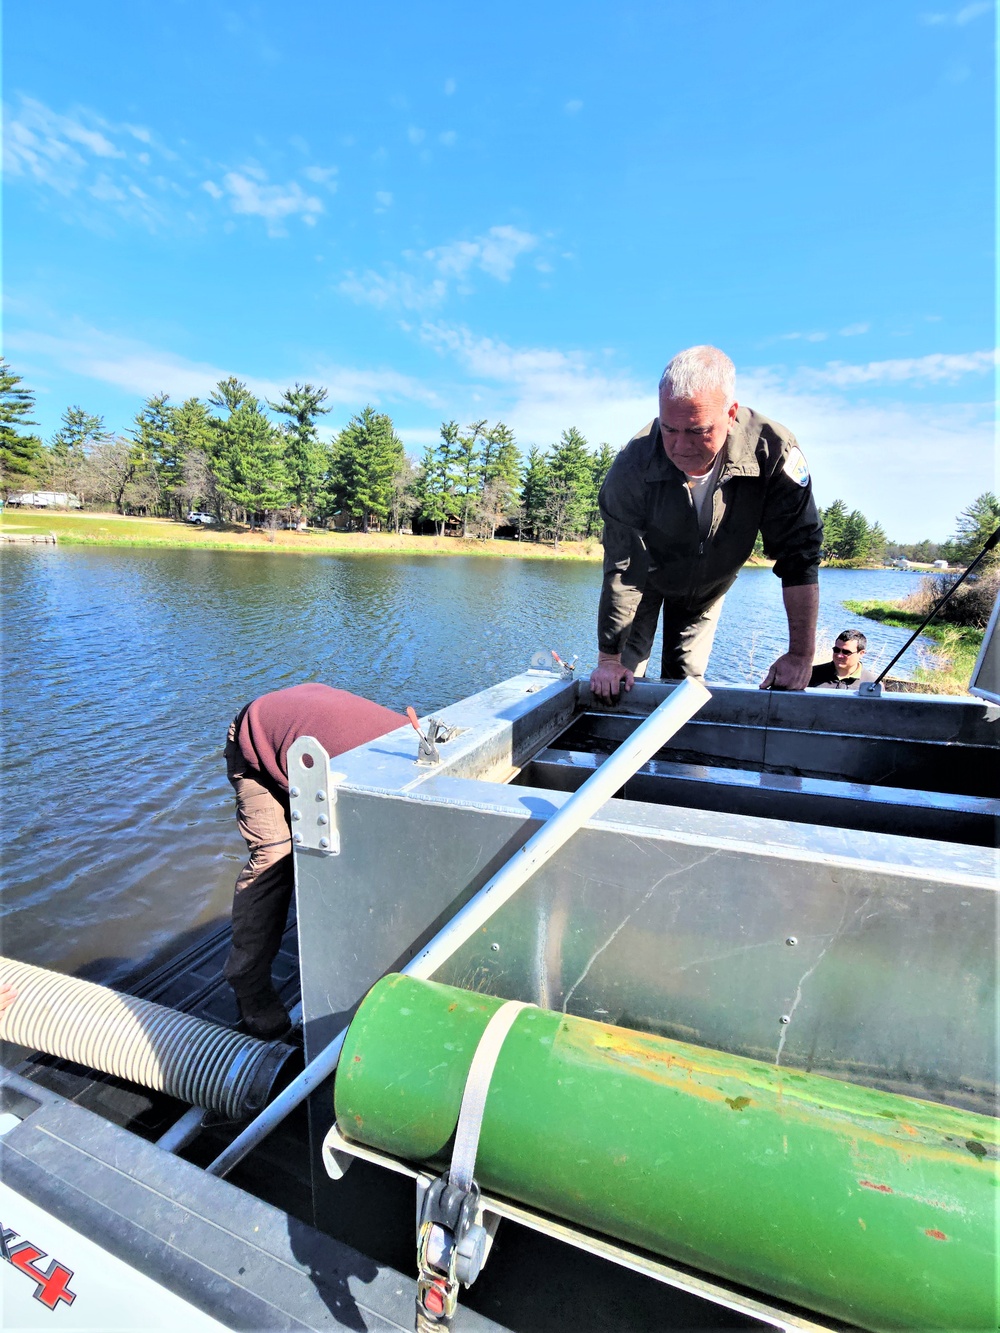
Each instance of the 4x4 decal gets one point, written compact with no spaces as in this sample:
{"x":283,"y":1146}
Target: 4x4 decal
{"x":52,"y":1284}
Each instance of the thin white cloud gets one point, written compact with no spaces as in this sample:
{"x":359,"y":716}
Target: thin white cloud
{"x":496,"y":253}
{"x":540,"y":391}
{"x":959,"y":17}
{"x":854,"y":330}
{"x":322,"y":176}
{"x":427,"y":279}
{"x":416,"y":135}
{"x":383,"y":198}
{"x":937,"y":368}
{"x":392,"y":289}
{"x":815,"y":337}
{"x":448,"y":137}
{"x":449,"y":87}
{"x":249,"y":192}
{"x":81,"y":156}
{"x":573,"y":107}
{"x":112,"y":170}
{"x":912,"y":467}
{"x":129,"y":364}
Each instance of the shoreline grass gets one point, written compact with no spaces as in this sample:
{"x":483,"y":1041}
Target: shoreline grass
{"x":96,"y":529}
{"x":958,"y":645}
{"x":118,"y":531}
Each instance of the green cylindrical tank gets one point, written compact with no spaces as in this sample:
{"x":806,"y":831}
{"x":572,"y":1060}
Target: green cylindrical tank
{"x":870,"y":1207}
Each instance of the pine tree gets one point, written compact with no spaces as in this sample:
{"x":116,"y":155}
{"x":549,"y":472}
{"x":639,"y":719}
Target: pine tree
{"x":570,"y":492}
{"x":603,"y":458}
{"x":21,"y":454}
{"x":306,"y":456}
{"x":974,"y":525}
{"x":501,"y":477}
{"x":534,"y":490}
{"x":249,"y":462}
{"x":197,"y":438}
{"x":430,"y":490}
{"x":854,"y":540}
{"x":367,"y":455}
{"x":79,"y":431}
{"x":834,"y":520}
{"x":468,"y":471}
{"x":155,"y":436}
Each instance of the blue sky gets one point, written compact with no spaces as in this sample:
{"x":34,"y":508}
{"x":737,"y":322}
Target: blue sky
{"x":519,"y":213}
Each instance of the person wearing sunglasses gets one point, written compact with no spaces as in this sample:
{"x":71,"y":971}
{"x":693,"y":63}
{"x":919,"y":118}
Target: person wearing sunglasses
{"x":845,"y":671}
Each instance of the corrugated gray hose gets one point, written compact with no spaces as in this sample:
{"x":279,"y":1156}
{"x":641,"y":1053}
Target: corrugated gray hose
{"x":199,"y":1063}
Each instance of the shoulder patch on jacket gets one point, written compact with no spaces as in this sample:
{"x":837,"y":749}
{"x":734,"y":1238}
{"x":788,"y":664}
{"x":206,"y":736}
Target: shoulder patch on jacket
{"x":796,"y":467}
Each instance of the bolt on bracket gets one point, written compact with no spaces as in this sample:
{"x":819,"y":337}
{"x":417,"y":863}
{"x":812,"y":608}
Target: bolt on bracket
{"x":312,"y":797}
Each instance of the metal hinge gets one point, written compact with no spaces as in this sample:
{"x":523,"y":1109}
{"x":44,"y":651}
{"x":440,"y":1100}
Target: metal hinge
{"x":312,"y":795}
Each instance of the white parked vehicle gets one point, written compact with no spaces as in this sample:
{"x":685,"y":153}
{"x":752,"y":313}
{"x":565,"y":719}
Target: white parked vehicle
{"x":196,"y":516}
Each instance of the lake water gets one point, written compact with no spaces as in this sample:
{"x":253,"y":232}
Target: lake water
{"x":123,"y":669}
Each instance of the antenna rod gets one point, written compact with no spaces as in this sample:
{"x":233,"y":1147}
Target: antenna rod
{"x":990,"y":543}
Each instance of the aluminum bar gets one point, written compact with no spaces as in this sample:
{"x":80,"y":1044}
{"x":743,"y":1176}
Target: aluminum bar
{"x":665,"y":721}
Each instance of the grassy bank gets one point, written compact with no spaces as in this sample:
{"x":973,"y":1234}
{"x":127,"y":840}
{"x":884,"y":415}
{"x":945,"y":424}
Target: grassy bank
{"x":958,"y":645}
{"x":114,"y":530}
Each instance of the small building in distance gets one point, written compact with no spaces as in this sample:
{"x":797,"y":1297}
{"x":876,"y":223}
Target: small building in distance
{"x":45,"y":500}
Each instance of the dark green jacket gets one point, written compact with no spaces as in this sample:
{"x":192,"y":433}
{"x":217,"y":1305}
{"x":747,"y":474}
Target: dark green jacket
{"x":651,"y":535}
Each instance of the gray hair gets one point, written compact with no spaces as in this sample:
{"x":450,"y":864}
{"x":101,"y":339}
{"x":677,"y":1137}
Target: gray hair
{"x":699,"y":370}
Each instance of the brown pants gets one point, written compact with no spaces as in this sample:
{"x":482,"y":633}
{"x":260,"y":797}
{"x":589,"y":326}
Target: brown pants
{"x":264,"y":886}
{"x":687,"y":637}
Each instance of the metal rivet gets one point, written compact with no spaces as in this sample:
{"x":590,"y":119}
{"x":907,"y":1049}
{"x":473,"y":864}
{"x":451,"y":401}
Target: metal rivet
{"x":785,"y":1018}
{"x":296,"y":814}
{"x":293,"y":791}
{"x":322,"y":819}
{"x":321,"y":796}
{"x":791,"y":940}
{"x":296,"y":837}
{"x":495,"y":948}
{"x":324,"y":842}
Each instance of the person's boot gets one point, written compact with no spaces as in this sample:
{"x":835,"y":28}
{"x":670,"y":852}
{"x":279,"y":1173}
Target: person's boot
{"x":264,"y":1015}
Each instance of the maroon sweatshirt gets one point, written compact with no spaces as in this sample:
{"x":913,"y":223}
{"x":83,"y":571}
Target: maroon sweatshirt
{"x":337,"y":719}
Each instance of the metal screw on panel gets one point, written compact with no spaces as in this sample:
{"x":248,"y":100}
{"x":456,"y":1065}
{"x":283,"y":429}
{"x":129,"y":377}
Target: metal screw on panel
{"x":791,"y":940}
{"x":296,"y":814}
{"x":293,"y":791}
{"x":322,"y":819}
{"x":296,"y":837}
{"x":785,"y":1018}
{"x":324,"y":842}
{"x":321,"y":796}
{"x":495,"y":948}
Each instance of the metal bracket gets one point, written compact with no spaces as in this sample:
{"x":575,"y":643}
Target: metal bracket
{"x":870,"y":689}
{"x":313,"y":797}
{"x":549,"y":661}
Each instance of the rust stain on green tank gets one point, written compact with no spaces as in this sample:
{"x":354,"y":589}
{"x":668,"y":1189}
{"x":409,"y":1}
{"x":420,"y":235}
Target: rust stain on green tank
{"x":738,"y":1103}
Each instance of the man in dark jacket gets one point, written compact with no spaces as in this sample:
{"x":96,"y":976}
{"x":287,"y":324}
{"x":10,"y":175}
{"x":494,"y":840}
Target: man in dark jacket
{"x":257,"y":748}
{"x":682,"y":506}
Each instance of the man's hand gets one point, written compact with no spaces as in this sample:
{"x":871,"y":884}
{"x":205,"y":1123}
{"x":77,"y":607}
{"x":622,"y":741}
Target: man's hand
{"x":608,"y":677}
{"x":789,"y":672}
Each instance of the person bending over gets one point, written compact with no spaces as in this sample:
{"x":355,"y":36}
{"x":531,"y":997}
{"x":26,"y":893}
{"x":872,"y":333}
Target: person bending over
{"x":257,"y":766}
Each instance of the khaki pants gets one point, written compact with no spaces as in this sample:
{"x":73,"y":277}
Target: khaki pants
{"x":687,"y":637}
{"x":264,"y":886}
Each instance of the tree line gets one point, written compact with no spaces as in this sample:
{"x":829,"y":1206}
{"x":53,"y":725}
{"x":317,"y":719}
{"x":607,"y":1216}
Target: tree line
{"x":261,"y":462}
{"x":245,"y":460}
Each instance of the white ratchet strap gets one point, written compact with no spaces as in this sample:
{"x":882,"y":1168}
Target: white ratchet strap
{"x":477,"y":1087}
